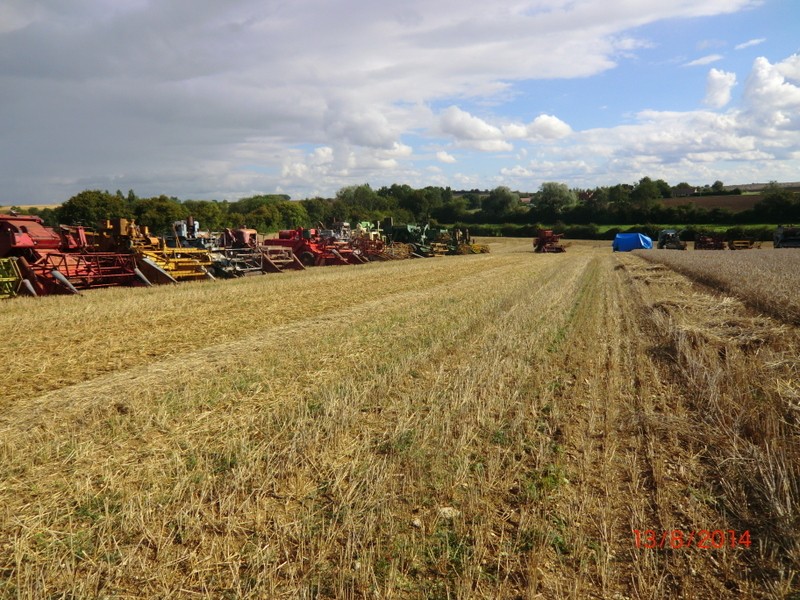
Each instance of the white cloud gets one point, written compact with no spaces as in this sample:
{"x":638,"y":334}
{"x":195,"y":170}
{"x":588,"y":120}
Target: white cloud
{"x":718,"y":88}
{"x":790,"y":68}
{"x":322,"y":155}
{"x":473,"y":132}
{"x":221,"y":99}
{"x":742,"y":144}
{"x":772,"y":108}
{"x":750,"y":43}
{"x":548,"y":127}
{"x":364,"y":126}
{"x":543,"y":127}
{"x":705,"y":60}
{"x":444,"y":157}
{"x":463,"y":126}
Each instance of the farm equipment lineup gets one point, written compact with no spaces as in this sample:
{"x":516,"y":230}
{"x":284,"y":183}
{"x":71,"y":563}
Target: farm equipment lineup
{"x":718,"y":242}
{"x":39,"y":260}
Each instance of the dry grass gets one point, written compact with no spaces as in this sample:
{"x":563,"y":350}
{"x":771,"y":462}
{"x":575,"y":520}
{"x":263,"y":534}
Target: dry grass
{"x":487,"y":426}
{"x":739,"y":386}
{"x":766,"y":278}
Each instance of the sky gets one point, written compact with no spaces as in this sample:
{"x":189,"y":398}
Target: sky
{"x":202,"y":99}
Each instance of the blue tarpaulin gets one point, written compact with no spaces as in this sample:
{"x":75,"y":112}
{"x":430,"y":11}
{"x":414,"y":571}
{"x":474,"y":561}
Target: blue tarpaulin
{"x":625,"y":242}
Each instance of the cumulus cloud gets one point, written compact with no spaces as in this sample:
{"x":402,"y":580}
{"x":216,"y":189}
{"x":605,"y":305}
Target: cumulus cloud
{"x":361,"y":125}
{"x":741,"y":144}
{"x":718,"y":88}
{"x":444,"y":157}
{"x":790,"y":68}
{"x":772,"y":102}
{"x":474,"y":132}
{"x":543,"y":127}
{"x":464,"y":126}
{"x":229,"y":98}
{"x":548,"y":127}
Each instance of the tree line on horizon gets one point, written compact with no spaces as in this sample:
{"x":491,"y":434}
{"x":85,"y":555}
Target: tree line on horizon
{"x":622,"y":204}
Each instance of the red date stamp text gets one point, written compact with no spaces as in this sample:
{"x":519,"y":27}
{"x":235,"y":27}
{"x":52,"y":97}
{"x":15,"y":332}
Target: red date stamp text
{"x":704,"y":539}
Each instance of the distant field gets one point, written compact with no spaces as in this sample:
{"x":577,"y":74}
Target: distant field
{"x":4,"y":208}
{"x":733,"y":203}
{"x":507,"y":425}
{"x":703,"y":226}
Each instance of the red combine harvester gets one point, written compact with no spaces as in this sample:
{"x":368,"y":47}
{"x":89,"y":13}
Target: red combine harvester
{"x":61,"y":262}
{"x":314,"y":250}
{"x":709,"y":242}
{"x":547,"y":241}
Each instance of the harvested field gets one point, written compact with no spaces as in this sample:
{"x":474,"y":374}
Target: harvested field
{"x":765,"y":278}
{"x":734,"y":203}
{"x":484,"y":426}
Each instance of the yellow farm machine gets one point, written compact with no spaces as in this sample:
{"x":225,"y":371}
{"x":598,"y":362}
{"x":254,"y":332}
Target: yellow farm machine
{"x":11,"y":280}
{"x":747,"y":244}
{"x":160,"y":262}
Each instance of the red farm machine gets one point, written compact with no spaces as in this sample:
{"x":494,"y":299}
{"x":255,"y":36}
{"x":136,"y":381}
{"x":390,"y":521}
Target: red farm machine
{"x":709,"y":242}
{"x":547,"y":241}
{"x":314,"y":249}
{"x":63,"y":260}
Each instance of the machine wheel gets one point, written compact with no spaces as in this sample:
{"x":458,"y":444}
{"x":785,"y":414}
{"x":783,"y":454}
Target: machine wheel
{"x":308,"y":259}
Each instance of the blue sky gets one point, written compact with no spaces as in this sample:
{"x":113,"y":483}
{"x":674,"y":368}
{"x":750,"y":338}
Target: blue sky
{"x":210,"y":100}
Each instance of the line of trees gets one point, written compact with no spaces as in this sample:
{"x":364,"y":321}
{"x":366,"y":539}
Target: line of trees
{"x":553,"y":202}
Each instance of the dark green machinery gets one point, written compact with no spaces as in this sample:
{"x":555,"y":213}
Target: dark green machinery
{"x":671,"y":240}
{"x":430,"y":241}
